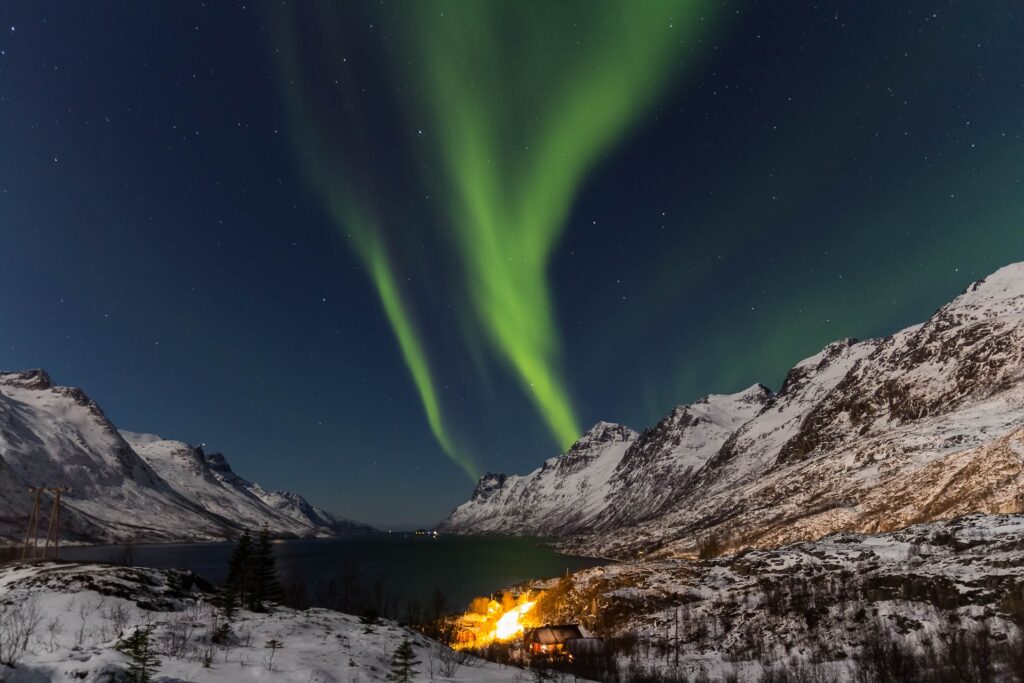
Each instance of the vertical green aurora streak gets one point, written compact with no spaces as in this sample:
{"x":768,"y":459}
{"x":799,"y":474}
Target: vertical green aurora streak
{"x":521,"y":101}
{"x":525,"y":98}
{"x":329,"y":159}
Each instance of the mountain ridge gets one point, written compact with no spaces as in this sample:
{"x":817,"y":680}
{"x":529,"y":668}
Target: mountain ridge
{"x":127,"y":486}
{"x":856,"y":417}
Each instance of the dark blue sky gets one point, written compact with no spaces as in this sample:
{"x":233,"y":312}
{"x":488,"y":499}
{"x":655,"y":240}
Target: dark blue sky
{"x":803,"y":173}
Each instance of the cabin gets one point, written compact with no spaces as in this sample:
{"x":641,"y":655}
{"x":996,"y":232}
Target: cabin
{"x":564,"y":640}
{"x":552,"y":640}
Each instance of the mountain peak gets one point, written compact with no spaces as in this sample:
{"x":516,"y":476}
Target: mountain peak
{"x":604,"y":432}
{"x":488,"y":484}
{"x":217,"y":462}
{"x":27,"y":379}
{"x":728,"y":410}
{"x":1001,"y":293}
{"x":754,"y":394}
{"x":861,"y":436}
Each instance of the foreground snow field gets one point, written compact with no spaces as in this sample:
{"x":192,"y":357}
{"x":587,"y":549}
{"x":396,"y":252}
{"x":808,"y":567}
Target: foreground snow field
{"x":70,"y":617}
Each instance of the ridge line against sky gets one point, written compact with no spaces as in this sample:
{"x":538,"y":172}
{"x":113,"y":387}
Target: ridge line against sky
{"x":287,"y":269}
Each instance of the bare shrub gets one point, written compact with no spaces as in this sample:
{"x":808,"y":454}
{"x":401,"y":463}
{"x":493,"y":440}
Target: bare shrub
{"x":245,"y":637}
{"x":86,"y":608}
{"x":206,"y":649}
{"x":54,"y":627}
{"x":118,"y":615}
{"x":176,"y":636}
{"x":18,"y":623}
{"x":449,"y":660}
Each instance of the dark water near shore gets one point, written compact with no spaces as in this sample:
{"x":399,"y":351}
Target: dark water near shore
{"x":412,"y":566}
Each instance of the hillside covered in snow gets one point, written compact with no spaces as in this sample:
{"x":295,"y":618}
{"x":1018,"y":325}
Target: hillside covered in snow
{"x":864,"y":436}
{"x":62,"y":622}
{"x":936,"y":602}
{"x":126,"y":486}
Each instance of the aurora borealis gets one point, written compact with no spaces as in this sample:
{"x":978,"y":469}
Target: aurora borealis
{"x":514,"y":140}
{"x":371,"y":250}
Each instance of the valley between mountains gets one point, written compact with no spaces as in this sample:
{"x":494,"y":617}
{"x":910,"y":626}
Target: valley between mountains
{"x":863,"y":523}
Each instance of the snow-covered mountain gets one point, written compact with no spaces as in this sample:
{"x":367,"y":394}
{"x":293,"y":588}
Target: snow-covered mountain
{"x":565,"y":494}
{"x":611,"y":476}
{"x":126,"y":486}
{"x":863,"y":436}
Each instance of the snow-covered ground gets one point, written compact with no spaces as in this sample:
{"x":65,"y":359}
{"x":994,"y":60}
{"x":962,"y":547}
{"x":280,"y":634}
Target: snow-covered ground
{"x":942,"y":599}
{"x":78,"y":612}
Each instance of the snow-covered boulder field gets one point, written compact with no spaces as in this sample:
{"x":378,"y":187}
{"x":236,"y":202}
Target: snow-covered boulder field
{"x":62,"y":622}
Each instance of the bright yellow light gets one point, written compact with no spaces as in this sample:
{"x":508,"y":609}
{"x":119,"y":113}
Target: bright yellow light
{"x":489,"y":620}
{"x":510,"y":625}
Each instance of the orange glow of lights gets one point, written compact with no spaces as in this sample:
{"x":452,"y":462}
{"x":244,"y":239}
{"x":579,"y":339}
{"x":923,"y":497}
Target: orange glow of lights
{"x":510,"y":624}
{"x":492,"y":621}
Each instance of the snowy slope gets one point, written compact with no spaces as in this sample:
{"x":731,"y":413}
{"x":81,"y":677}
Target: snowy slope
{"x":123,"y":486}
{"x":83,"y":610}
{"x":567,"y":492}
{"x":666,"y":460}
{"x":942,"y":597}
{"x":610,"y":476}
{"x":863,"y":436}
{"x":210,"y":481}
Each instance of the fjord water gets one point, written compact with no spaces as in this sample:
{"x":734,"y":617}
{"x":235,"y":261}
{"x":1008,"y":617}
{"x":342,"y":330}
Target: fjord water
{"x":462,"y":567}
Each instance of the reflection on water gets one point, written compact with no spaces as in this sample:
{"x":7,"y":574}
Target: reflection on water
{"x":412,"y":566}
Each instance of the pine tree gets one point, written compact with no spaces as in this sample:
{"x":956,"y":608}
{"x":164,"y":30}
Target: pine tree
{"x":403,"y":663}
{"x":265,"y":585}
{"x":239,"y":579}
{"x":230,"y":594}
{"x":139,"y":650}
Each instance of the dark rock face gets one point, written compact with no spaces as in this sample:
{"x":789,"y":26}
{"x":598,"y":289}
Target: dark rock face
{"x":488,"y":484}
{"x":218,"y":463}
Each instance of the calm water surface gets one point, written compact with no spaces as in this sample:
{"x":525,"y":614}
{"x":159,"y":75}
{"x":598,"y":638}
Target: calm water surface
{"x":413,"y":566}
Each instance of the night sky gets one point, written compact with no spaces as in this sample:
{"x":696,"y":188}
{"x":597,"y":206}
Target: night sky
{"x":370,"y":250}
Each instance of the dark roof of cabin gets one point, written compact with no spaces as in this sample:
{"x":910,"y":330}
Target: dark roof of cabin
{"x":553,"y":635}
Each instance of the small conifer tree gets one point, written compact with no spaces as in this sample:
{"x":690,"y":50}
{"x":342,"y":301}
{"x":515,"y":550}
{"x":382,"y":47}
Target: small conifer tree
{"x":230,"y":594}
{"x":403,"y":663}
{"x":143,"y":660}
{"x":265,"y":585}
{"x":239,"y":579}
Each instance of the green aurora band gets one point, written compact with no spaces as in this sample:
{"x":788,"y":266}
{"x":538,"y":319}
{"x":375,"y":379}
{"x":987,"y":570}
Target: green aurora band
{"x":526,"y":97}
{"x":521,"y":101}
{"x":329,"y":162}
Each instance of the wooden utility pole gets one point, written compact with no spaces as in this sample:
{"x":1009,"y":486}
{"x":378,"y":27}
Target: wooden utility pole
{"x":31,"y":549}
{"x":32,"y":533}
